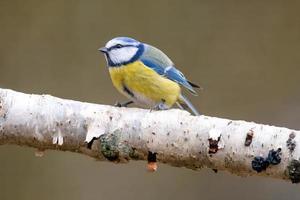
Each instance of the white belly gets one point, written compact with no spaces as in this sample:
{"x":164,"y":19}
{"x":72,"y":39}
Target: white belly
{"x":142,"y":100}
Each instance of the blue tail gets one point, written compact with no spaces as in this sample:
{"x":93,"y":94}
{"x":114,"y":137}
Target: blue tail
{"x":186,"y":104}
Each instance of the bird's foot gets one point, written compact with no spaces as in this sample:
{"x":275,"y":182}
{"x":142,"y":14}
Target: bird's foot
{"x":160,"y":106}
{"x":124,"y":104}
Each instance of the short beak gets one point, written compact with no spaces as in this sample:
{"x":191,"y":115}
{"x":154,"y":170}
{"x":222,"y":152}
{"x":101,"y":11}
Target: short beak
{"x":103,"y":49}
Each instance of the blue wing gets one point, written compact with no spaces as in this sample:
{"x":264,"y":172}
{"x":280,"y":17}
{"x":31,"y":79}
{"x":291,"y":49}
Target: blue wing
{"x":160,"y":63}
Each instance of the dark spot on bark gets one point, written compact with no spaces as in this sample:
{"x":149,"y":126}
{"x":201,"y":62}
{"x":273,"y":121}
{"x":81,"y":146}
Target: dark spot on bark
{"x":181,"y":123}
{"x":168,"y":133}
{"x":259,"y":164}
{"x":292,"y":135}
{"x":274,"y":156}
{"x":110,"y":118}
{"x":249,"y":138}
{"x":213,"y":145}
{"x":229,"y":123}
{"x":215,"y":170}
{"x":293,"y":170}
{"x":89,"y":144}
{"x":291,"y":143}
{"x":186,"y":139}
{"x":151,"y":157}
{"x":153,"y":133}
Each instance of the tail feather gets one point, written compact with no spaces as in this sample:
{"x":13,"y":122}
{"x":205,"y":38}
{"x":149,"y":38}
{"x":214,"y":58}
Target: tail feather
{"x":191,"y":87}
{"x":194,"y":85}
{"x":186,"y":104}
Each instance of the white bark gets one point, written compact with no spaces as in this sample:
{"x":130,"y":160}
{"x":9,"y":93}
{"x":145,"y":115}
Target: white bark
{"x":179,"y":139}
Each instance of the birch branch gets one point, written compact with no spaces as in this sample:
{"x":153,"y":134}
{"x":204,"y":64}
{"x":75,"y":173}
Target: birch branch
{"x":122,"y":134}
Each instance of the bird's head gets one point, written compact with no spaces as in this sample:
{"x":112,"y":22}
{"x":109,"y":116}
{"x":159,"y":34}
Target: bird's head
{"x":122,"y":50}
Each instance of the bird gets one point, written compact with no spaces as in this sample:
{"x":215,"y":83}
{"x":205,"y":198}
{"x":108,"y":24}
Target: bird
{"x":146,"y":75}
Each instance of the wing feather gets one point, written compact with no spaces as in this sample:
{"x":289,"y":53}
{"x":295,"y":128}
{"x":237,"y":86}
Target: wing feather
{"x":162,"y":64}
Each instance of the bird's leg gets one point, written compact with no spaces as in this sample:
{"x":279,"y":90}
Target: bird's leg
{"x":152,"y":164}
{"x":124,"y":104}
{"x":179,"y":105}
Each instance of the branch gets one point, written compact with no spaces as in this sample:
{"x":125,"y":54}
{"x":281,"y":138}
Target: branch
{"x":122,"y":134}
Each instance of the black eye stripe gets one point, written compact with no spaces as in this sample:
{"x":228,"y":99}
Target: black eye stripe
{"x":118,"y":46}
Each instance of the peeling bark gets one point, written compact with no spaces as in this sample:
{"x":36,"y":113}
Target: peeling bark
{"x":122,"y":134}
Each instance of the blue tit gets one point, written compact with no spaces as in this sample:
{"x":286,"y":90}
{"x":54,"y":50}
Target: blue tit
{"x":146,"y":75}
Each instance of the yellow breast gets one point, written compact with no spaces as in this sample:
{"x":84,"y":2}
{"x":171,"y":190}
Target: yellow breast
{"x":145,"y":84}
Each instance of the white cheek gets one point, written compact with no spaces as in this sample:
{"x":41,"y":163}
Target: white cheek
{"x":122,"y":55}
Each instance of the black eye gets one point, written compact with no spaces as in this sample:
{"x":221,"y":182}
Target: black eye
{"x":119,"y":46}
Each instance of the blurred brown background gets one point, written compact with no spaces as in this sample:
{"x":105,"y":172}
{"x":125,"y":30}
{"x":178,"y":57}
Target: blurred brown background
{"x":246,"y":54}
